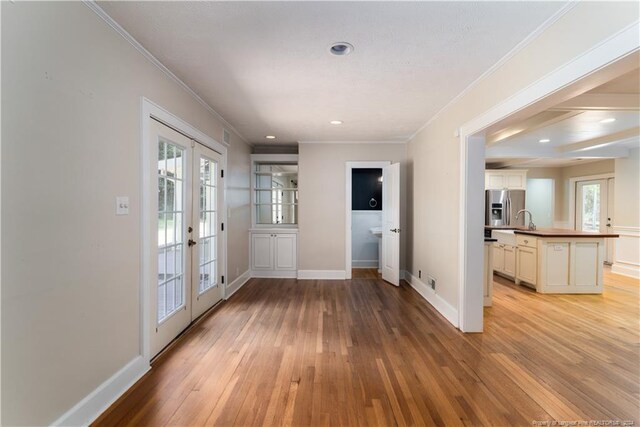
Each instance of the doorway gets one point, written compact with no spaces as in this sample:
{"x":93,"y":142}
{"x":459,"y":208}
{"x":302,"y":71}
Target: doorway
{"x":594,"y":208}
{"x":186,"y":249}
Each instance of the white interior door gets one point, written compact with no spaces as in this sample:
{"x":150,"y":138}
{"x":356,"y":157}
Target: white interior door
{"x":205,"y":242}
{"x":171,"y":160}
{"x":391,"y":224}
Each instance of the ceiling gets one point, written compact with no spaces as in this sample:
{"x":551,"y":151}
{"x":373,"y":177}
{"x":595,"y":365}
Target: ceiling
{"x":266,"y":67}
{"x":599,"y":124}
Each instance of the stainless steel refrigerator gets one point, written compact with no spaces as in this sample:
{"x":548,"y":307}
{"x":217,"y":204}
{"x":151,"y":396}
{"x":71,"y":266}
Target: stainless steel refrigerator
{"x":501,"y":207}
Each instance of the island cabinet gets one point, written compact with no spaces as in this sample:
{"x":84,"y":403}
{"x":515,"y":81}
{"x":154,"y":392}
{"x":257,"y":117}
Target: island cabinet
{"x":504,"y":259}
{"x":274,"y":253}
{"x":561,"y":261}
{"x":487,"y":294}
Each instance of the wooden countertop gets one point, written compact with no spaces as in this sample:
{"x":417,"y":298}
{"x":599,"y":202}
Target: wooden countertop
{"x":561,"y":232}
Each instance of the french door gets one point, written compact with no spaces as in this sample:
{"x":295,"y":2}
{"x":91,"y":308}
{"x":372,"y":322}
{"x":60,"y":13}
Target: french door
{"x":594,"y":209}
{"x":186,"y":176}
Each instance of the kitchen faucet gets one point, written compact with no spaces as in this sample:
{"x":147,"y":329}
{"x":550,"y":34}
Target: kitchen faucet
{"x":532,"y":226}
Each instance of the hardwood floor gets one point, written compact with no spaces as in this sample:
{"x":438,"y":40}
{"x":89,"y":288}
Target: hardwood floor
{"x":362,"y":352}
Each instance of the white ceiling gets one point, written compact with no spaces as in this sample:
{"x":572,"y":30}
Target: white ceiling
{"x":574,"y":128}
{"x":265,"y":66}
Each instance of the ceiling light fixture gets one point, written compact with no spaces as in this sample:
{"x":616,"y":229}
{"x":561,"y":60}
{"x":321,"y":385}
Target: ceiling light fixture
{"x":336,"y":122}
{"x":341,"y":48}
{"x":608,"y":120}
{"x":270,"y":137}
{"x":544,"y":140}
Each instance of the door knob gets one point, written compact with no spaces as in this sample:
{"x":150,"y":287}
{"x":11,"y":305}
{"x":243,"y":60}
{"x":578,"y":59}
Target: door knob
{"x":395,"y":230}
{"x":192,"y":242}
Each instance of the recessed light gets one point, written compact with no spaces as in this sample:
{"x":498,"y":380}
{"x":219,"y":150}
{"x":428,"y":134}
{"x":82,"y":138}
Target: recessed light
{"x":341,"y":48}
{"x":608,"y":120}
{"x":544,"y":140}
{"x":270,"y":137}
{"x":336,"y":122}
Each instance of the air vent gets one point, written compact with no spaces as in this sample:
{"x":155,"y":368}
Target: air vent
{"x":226,"y":136}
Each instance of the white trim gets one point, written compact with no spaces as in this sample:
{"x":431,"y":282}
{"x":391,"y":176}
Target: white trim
{"x":624,"y":269}
{"x":440,"y":304}
{"x":95,"y":403}
{"x":364,"y":263}
{"x":513,"y":52}
{"x":150,"y":111}
{"x":91,"y":4}
{"x":620,"y":45}
{"x":627,"y":230}
{"x":239,"y":282}
{"x":274,"y":274}
{"x":349,"y":166}
{"x":393,"y":141}
{"x":321,"y":275}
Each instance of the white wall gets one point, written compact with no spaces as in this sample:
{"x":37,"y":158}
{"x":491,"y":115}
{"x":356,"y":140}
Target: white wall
{"x":539,"y":201}
{"x":71,"y":98}
{"x":627,"y":215}
{"x":434,"y":153}
{"x":322,"y":212}
{"x":364,"y":245}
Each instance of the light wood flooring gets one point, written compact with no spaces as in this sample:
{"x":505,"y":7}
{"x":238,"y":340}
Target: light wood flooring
{"x":362,"y":352}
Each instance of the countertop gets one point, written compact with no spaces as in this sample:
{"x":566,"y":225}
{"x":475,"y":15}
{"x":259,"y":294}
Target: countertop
{"x":561,"y":232}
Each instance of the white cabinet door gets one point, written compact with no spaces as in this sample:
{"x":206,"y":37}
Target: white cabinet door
{"x":516,"y":181}
{"x":494,"y":181}
{"x":261,"y":252}
{"x":527,"y":264}
{"x":510,"y":260}
{"x":498,"y":258}
{"x":285,"y":251}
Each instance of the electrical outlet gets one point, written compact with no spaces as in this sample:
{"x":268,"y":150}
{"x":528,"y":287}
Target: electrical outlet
{"x":431,"y":282}
{"x":419,"y":274}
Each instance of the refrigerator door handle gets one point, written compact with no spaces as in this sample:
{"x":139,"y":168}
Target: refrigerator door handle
{"x":508,"y":210}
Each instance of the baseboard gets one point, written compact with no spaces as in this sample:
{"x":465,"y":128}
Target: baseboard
{"x":274,"y":274}
{"x":237,"y":284}
{"x":368,"y":263}
{"x":629,"y":270}
{"x":95,"y":403}
{"x":447,"y":310}
{"x":322,"y":274}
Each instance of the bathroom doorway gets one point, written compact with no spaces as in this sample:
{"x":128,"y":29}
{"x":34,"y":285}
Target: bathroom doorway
{"x":364,"y":215}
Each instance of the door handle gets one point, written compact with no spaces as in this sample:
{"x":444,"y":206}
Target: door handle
{"x":395,"y":230}
{"x":192,"y":242}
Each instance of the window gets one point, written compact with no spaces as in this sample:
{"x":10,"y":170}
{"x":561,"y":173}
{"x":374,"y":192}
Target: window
{"x":275,"y":193}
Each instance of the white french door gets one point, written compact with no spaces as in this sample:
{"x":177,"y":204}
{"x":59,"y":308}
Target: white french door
{"x":594,"y":209}
{"x":186,"y":245}
{"x":391,"y":224}
{"x":206,"y":289}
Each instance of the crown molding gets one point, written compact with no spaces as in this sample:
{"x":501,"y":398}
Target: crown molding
{"x":92,"y":5}
{"x":513,"y":52}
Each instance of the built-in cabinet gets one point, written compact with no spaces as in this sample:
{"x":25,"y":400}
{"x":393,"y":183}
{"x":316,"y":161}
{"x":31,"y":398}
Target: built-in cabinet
{"x":504,"y":259}
{"x":499,"y":179}
{"x":487,"y":294}
{"x":274,"y":253}
{"x":526,"y":260}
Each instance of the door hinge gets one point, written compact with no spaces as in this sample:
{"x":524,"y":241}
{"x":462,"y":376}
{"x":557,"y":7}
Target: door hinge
{"x":221,"y":173}
{"x":222,"y":226}
{"x":223,"y":280}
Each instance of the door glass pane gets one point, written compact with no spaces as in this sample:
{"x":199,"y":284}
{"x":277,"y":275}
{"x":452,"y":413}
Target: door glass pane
{"x":208,"y":225}
{"x":170,"y":234}
{"x":590,"y":205}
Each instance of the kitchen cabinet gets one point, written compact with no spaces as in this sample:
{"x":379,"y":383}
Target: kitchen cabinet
{"x":504,"y":259}
{"x":527,"y":265}
{"x":487,"y":294}
{"x":274,"y":253}
{"x":499,"y":179}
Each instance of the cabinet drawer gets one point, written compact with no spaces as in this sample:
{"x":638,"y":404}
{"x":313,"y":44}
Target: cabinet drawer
{"x":528,"y":241}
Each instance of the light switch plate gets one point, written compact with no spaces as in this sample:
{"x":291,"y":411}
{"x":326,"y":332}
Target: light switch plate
{"x":122,"y":205}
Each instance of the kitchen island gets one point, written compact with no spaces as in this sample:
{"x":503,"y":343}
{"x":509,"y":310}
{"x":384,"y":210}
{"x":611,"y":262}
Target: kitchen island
{"x":554,"y":261}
